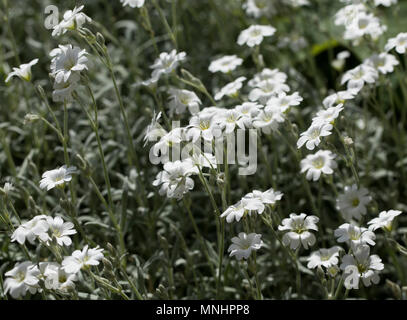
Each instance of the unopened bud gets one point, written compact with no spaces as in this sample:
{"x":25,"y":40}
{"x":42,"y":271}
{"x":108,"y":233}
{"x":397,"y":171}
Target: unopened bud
{"x":30,"y":117}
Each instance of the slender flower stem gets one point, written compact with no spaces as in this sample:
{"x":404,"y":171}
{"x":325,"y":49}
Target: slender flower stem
{"x":199,"y":235}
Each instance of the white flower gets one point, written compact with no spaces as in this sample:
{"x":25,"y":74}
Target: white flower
{"x":338,"y":98}
{"x":57,"y":177}
{"x":174,"y":180}
{"x":180,"y":100}
{"x":231,"y":89}
{"x":56,"y":278}
{"x":23,"y":71}
{"x":324,"y":258}
{"x":340,"y":60}
{"x":298,"y":226}
{"x":254,"y":35}
{"x":399,"y":42}
{"x":364,"y":24}
{"x":352,"y":202}
{"x":320,"y":162}
{"x":361,"y":265}
{"x":59,"y":230}
{"x":234,"y":212}
{"x":20,"y":279}
{"x":73,"y":19}
{"x":354,"y":235}
{"x":347,"y":15}
{"x":384,"y":220}
{"x":327,"y":116}
{"x":244,"y":244}
{"x":252,"y":203}
{"x":386,"y":3}
{"x":284,"y":101}
{"x":67,"y":60}
{"x":273,"y":75}
{"x":203,"y":125}
{"x":30,"y":230}
{"x":82,"y":259}
{"x":383,"y":62}
{"x":229,"y":120}
{"x":225,"y":64}
{"x":357,"y":77}
{"x":133,"y":3}
{"x":266,"y":89}
{"x":170,"y":140}
{"x":165,"y":64}
{"x":267,"y":197}
{"x":312,"y":137}
{"x":247,"y":112}
{"x":268,"y":120}
{"x":154,"y":130}
{"x":63,"y":90}
{"x":258,"y":8}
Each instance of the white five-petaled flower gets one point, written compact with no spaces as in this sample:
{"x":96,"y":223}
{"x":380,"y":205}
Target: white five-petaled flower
{"x":58,"y":230}
{"x":274,"y":75}
{"x":203,"y":125}
{"x":22,"y":278}
{"x":357,"y":77}
{"x":244,"y":244}
{"x":324,"y":258}
{"x":352,"y":202}
{"x":284,"y":101}
{"x":23,"y":71}
{"x":327,"y":116}
{"x":384,"y":220}
{"x":66,"y":60}
{"x":268,"y":197}
{"x":231,"y":89}
{"x":82,"y":259}
{"x":57,"y":177}
{"x":73,"y":19}
{"x":361,"y":266}
{"x":269,"y":120}
{"x":229,"y":120}
{"x":248,"y":111}
{"x":299,"y":226}
{"x":399,"y":43}
{"x":174,"y":180}
{"x":180,"y":100}
{"x":320,"y":162}
{"x":225,"y":64}
{"x":154,"y":130}
{"x":165,"y":64}
{"x":337,"y":98}
{"x":254,"y":35}
{"x":133,"y":3}
{"x":234,"y":212}
{"x":258,"y":8}
{"x":312,"y":137}
{"x":56,"y":278}
{"x":383,"y":62}
{"x":354,"y":235}
{"x":266,"y":89}
{"x":363,"y":24}
{"x":30,"y":230}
